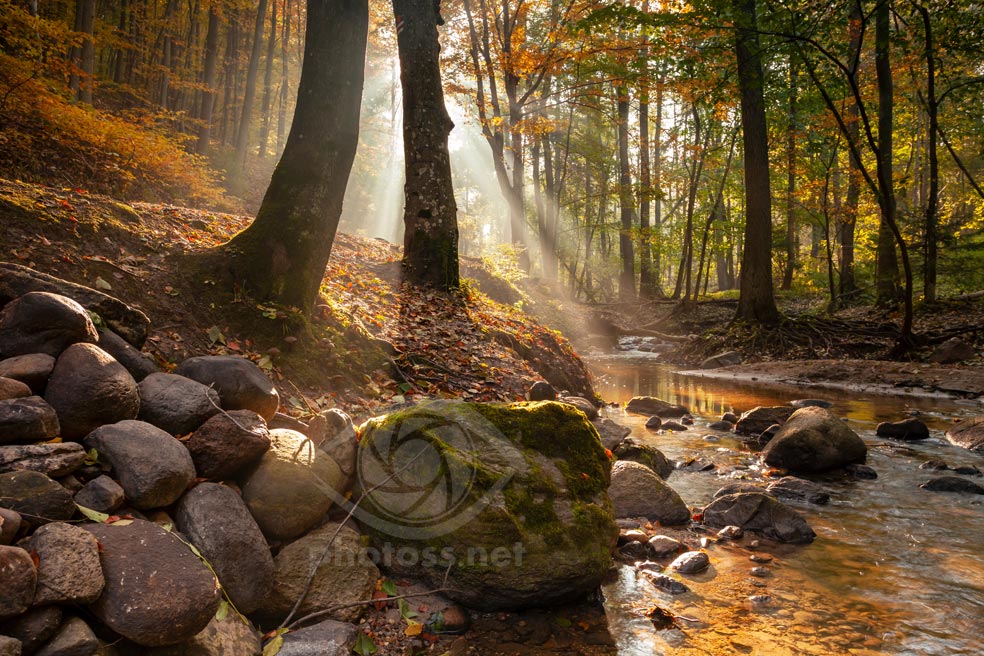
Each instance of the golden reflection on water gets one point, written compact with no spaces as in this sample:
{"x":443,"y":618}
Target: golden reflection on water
{"x":894,"y":570}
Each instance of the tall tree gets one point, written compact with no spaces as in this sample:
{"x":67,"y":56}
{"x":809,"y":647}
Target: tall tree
{"x":626,"y":201}
{"x":208,"y":80}
{"x":887,"y":270}
{"x":756,"y":300}
{"x":281,"y":256}
{"x":252,"y":70}
{"x":430,"y":216}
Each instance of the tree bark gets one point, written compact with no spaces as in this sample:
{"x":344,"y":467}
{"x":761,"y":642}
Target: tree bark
{"x":430,"y":243}
{"x":887,"y":281}
{"x":281,"y":256}
{"x":88,"y":52}
{"x":626,"y":201}
{"x":252,"y":70}
{"x":208,"y":78}
{"x":756,"y":301}
{"x":933,"y":198}
{"x":268,"y":81}
{"x":791,"y":245}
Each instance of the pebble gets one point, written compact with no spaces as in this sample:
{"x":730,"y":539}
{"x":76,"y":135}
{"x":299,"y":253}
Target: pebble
{"x":760,"y":558}
{"x":754,"y":544}
{"x":730,"y":533}
{"x":760,"y":600}
{"x":760,"y":572}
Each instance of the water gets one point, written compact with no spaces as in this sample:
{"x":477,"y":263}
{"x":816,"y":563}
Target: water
{"x":894,"y":569}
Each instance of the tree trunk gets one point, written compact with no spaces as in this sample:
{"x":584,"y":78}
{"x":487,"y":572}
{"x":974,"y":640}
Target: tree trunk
{"x":887,"y":281}
{"x":88,"y":52}
{"x":430,"y":243}
{"x":791,"y":245}
{"x":655,"y":288}
{"x":167,"y":58}
{"x":756,"y":301}
{"x":246,"y":116}
{"x":933,"y":199}
{"x":268,"y":81}
{"x":208,"y":78}
{"x":284,"y":79}
{"x":281,"y":256}
{"x":626,"y":201}
{"x":231,"y":72}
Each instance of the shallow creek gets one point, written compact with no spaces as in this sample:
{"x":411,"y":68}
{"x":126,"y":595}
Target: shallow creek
{"x":894,"y":569}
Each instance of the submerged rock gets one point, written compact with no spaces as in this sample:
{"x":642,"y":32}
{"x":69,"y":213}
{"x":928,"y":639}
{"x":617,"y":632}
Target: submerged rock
{"x":952,"y":484}
{"x":798,"y":489}
{"x":650,"y":405}
{"x":907,"y":429}
{"x":761,"y":513}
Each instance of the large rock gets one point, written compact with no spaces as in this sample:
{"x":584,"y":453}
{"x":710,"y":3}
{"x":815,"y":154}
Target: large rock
{"x":176,"y":404}
{"x":88,"y":389}
{"x":240,"y":383}
{"x":907,"y":429}
{"x":333,"y":432}
{"x":129,"y":323}
{"x":952,"y":484}
{"x":157,"y":591}
{"x":610,"y":432}
{"x":225,"y":637}
{"x":292,"y":487}
{"x":101,"y":494}
{"x":515,"y":495}
{"x":13,"y":389}
{"x":759,"y":418}
{"x":28,"y":419}
{"x":814,"y":440}
{"x":36,"y":496}
{"x":39,"y":322}
{"x":19,"y":580}
{"x":328,"y":638}
{"x":228,"y":442}
{"x":68,"y":565}
{"x":214,"y":519}
{"x":969,"y":434}
{"x":344,"y":576}
{"x":10,"y":523}
{"x":951,"y":351}
{"x":754,"y":511}
{"x":139,"y":365}
{"x":74,"y":638}
{"x":797,"y":489}
{"x":650,"y":405}
{"x":152,"y":467}
{"x":636,"y":491}
{"x":55,"y":460}
{"x":637,"y":451}
{"x":33,"y":628}
{"x":33,"y":370}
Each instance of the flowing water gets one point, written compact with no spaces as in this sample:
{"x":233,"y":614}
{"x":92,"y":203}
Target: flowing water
{"x":894,"y":569}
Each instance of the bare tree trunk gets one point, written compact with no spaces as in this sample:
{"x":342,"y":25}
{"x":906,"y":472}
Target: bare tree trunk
{"x":887,"y":275}
{"x":268,"y":80}
{"x":626,"y":201}
{"x":167,"y":60}
{"x":933,"y":199}
{"x":208,"y":78}
{"x":284,"y":79}
{"x":246,"y":116}
{"x":791,"y":245}
{"x":88,"y":52}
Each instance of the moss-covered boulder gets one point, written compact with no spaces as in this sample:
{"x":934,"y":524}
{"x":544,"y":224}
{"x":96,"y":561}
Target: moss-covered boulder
{"x":508,"y":501}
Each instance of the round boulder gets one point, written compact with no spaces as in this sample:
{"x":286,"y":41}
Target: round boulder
{"x":214,"y":519}
{"x":759,"y":418}
{"x":139,"y":365}
{"x":28,"y":419}
{"x":176,"y":404}
{"x":636,"y":491}
{"x":691,"y":562}
{"x":68,"y":565}
{"x":292,"y":486}
{"x":240,"y":383}
{"x":814,"y":440}
{"x":334,"y":433}
{"x":32,"y":370}
{"x":634,"y":450}
{"x":541,"y":391}
{"x":40,"y":322}
{"x":13,"y":389}
{"x":228,"y":442}
{"x":907,"y":429}
{"x":610,"y":432}
{"x":157,"y":591}
{"x":152,"y":467}
{"x":753,"y":511}
{"x":512,"y":497}
{"x":969,"y":434}
{"x":89,"y":389}
{"x":19,"y":581}
{"x":952,"y":484}
{"x":650,"y":405}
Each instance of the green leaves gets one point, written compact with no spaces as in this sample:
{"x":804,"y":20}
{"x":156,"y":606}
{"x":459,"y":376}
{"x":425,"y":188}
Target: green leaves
{"x":364,"y":646}
{"x":94,"y":515}
{"x":272,"y":648}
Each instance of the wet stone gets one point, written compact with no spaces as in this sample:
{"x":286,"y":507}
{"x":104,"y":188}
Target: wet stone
{"x":760,"y":558}
{"x":760,"y":572}
{"x":861,"y":472}
{"x":668,"y":584}
{"x":730,"y":533}
{"x":691,"y":562}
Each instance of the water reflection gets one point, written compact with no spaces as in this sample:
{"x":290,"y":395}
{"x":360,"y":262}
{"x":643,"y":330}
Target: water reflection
{"x":894,"y":570}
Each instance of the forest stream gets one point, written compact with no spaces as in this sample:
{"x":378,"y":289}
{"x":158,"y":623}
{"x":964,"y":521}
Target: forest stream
{"x":894,"y":569}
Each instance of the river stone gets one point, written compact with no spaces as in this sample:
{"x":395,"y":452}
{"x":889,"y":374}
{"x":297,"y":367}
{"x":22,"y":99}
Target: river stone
{"x":650,"y":405}
{"x":152,"y":467}
{"x":721,"y":425}
{"x":969,"y":434}
{"x":39,"y":322}
{"x":967,"y":470}
{"x":766,"y":436}
{"x":654,"y":423}
{"x":952,"y":484}
{"x":907,"y":429}
{"x":952,"y":351}
{"x":139,"y":365}
{"x":52,"y":459}
{"x":10,"y":523}
{"x":861,"y":472}
{"x":228,"y":442}
{"x":633,"y":450}
{"x":541,"y":391}
{"x":13,"y":389}
{"x":527,"y":478}
{"x":68,"y":565}
{"x":636,"y":491}
{"x":27,"y":419}
{"x":88,"y":389}
{"x":10,"y":646}
{"x":753,"y":511}
{"x":691,"y":562}
{"x":667,"y":583}
{"x":730,"y":533}
{"x":38,"y":498}
{"x":176,"y":404}
{"x":19,"y":580}
{"x":663,"y":546}
{"x":214,"y":519}
{"x":610,"y":432}
{"x":726,"y":359}
{"x":157,"y":591}
{"x":292,"y":487}
{"x":810,"y":403}
{"x":74,"y":638}
{"x":240,"y":383}
{"x":333,"y":432}
{"x":582,"y":404}
{"x":673,"y":426}
{"x":730,"y":417}
{"x":328,"y":638}
{"x":102,"y":494}
{"x":33,"y":628}
{"x":814,"y":440}
{"x":129,"y":323}
{"x":759,"y":418}
{"x":345,"y":575}
{"x":226,"y":637}
{"x":33,"y":370}
{"x":798,"y":489}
